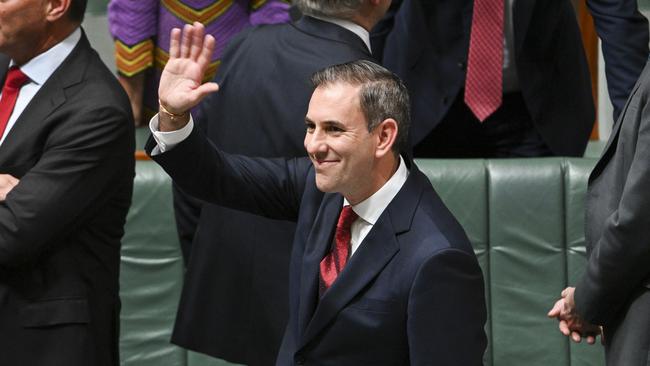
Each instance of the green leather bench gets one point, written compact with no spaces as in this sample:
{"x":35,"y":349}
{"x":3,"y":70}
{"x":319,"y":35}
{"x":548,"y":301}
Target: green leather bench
{"x":524,"y":218}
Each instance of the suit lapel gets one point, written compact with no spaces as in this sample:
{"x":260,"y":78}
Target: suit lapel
{"x":48,"y":99}
{"x":610,"y":147}
{"x":322,"y":29}
{"x":375,"y":252}
{"x":318,"y":243}
{"x":372,"y":256}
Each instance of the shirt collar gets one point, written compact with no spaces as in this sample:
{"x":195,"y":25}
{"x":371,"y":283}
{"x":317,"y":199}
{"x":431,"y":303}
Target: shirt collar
{"x":372,"y":207}
{"x":351,"y":26}
{"x":41,"y":67}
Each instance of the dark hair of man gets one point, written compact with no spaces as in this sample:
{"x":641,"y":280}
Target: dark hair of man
{"x":382,"y":95}
{"x":343,"y":9}
{"x":77,"y":10}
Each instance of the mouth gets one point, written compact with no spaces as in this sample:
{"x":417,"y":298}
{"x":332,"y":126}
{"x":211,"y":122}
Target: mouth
{"x":323,"y":163}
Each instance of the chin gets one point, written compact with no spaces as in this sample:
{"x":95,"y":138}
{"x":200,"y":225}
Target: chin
{"x":324,"y":186}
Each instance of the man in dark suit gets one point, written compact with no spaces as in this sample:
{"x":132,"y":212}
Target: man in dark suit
{"x":265,"y":89}
{"x":544,"y":100}
{"x":615,"y":289}
{"x":66,"y":176}
{"x":395,"y":281}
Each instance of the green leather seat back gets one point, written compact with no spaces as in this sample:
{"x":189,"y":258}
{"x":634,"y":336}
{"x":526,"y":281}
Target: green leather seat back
{"x":525,"y":219}
{"x":151,"y":273}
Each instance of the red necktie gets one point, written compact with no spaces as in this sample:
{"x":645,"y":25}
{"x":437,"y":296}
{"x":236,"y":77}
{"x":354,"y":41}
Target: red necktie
{"x":335,"y":260}
{"x":14,"y":81}
{"x":483,"y":82}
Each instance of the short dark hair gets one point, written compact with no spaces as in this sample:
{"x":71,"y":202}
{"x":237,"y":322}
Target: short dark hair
{"x":383,"y":95}
{"x":343,"y":9}
{"x":77,"y":10}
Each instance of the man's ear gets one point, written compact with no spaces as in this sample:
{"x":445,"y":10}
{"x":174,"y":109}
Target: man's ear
{"x":56,"y":9}
{"x":386,"y":134}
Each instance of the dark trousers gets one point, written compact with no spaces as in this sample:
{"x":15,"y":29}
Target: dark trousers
{"x":508,"y":132}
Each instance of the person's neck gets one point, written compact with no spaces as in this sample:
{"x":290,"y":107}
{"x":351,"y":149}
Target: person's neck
{"x":53,"y":36}
{"x":381,"y":173}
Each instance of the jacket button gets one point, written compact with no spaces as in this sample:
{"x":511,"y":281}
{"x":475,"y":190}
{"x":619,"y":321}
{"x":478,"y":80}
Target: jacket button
{"x":461,"y":65}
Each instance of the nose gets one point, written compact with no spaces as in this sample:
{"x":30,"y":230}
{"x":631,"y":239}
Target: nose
{"x":315,"y":142}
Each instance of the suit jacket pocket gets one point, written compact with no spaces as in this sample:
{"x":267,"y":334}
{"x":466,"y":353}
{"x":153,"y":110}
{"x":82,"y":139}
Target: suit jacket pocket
{"x":374,"y":305}
{"x":45,"y":313}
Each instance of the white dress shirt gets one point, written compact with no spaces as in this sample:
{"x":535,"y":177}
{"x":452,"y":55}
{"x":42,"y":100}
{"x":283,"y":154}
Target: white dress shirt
{"x":39,"y":69}
{"x":372,"y":207}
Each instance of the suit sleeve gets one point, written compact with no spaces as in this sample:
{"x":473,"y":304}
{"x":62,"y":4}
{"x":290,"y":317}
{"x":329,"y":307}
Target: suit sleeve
{"x":620,"y":260}
{"x":85,"y":159}
{"x":446,"y":311}
{"x":268,"y":187}
{"x":624,"y":34}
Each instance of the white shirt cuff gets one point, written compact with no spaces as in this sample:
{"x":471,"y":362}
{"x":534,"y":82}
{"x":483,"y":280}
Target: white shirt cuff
{"x":168,"y":140}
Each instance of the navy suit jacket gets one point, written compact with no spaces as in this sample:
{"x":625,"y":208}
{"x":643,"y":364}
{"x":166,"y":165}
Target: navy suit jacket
{"x":413,"y":292}
{"x":263,"y":97}
{"x":426,"y":44}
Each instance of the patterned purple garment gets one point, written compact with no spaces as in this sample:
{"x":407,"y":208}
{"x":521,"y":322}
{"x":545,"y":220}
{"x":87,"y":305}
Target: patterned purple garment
{"x":141,"y":31}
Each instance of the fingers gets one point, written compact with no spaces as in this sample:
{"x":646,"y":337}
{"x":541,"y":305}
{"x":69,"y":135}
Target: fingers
{"x":7,"y":183}
{"x":576,"y":337}
{"x":186,"y":40}
{"x":564,"y":327}
{"x":175,"y":43}
{"x":556,"y":310}
{"x":207,"y":50}
{"x":204,"y":89}
{"x":591,"y":339}
{"x":197,"y":40}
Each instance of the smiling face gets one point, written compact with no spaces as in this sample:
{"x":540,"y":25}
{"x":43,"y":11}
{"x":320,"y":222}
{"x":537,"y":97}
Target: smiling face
{"x":339,"y":144}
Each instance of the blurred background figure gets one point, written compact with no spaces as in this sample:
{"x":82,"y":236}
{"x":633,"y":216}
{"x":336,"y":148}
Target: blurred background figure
{"x":507,"y":78}
{"x":141,"y":32}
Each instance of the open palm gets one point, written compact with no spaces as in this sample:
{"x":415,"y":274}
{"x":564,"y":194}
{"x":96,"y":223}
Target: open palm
{"x":180,"y":86}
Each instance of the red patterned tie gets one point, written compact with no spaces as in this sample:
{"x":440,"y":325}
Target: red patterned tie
{"x":483,"y":82}
{"x":14,"y":81}
{"x":335,"y":260}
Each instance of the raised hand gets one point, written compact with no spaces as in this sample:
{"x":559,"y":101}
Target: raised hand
{"x":570,"y":323}
{"x":180,"y":86}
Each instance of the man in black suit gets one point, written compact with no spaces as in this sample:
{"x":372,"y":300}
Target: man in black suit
{"x":614,"y":291}
{"x":395,"y":281}
{"x":66,"y":177}
{"x":265,"y":89}
{"x":546,"y":105}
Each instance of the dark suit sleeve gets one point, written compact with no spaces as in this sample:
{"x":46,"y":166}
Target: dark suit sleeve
{"x":268,"y":187}
{"x":621,"y":258}
{"x":77,"y":170}
{"x":624,"y":34}
{"x":446,"y":311}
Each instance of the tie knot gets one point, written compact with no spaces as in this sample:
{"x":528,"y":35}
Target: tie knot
{"x":15,"y":78}
{"x":346,"y":218}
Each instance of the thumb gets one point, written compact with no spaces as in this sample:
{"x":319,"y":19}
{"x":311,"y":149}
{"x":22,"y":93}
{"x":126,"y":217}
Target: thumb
{"x":555,"y":311}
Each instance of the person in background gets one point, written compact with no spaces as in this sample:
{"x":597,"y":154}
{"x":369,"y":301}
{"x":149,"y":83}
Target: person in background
{"x":66,"y":179}
{"x":234,"y":301}
{"x":614,"y":291}
{"x":507,"y":78}
{"x":141,"y":32}
{"x":381,"y":273}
